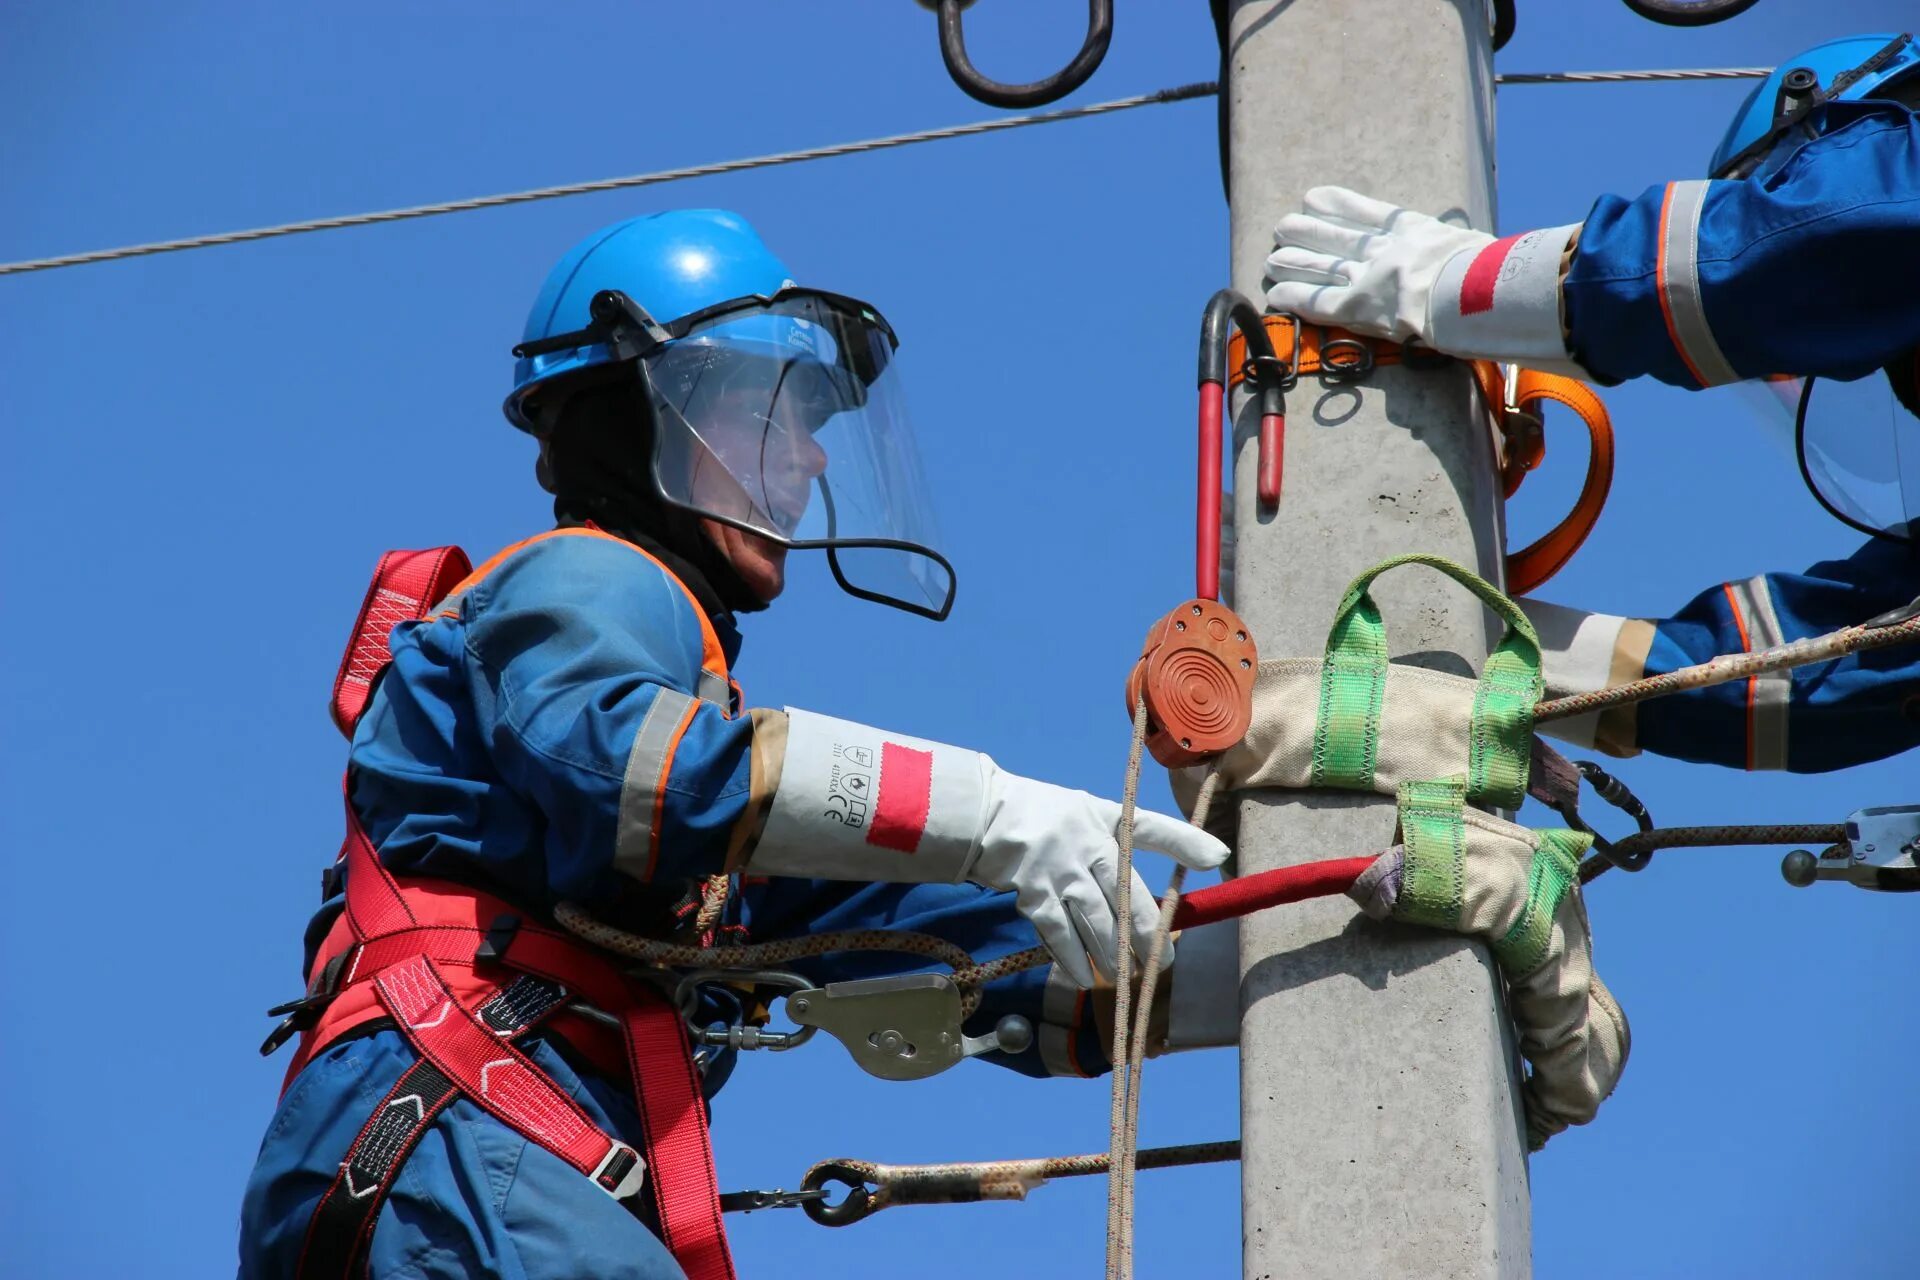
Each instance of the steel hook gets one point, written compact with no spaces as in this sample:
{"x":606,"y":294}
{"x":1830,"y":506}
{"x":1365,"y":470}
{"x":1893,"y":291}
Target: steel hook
{"x":1679,"y":13}
{"x":953,"y":50}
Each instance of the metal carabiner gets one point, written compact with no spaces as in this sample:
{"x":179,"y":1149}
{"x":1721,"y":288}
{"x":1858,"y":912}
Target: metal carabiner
{"x":737,"y":1035}
{"x":1038,"y":93}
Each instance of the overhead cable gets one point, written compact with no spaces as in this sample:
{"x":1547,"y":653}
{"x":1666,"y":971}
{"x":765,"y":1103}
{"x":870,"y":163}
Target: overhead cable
{"x":1179,"y":93}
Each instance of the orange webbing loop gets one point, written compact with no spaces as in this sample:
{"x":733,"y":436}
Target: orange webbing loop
{"x":1533,"y":564}
{"x":1320,"y":349}
{"x":1307,"y":348}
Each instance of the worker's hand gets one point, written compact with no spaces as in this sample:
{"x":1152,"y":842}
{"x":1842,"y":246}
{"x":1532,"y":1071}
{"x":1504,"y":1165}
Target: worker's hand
{"x":1349,"y":260}
{"x":1362,"y":264}
{"x":1058,"y":850}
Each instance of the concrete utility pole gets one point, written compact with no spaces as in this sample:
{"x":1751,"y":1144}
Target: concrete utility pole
{"x":1378,"y":1102}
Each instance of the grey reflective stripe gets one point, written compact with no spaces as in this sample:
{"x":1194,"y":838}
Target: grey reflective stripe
{"x":715,"y":689}
{"x":1058,"y":1000}
{"x":633,"y":843}
{"x":1771,"y":693}
{"x":1679,"y":276}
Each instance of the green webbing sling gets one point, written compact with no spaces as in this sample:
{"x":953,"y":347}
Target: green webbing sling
{"x":1353,"y":688}
{"x":1433,"y":881}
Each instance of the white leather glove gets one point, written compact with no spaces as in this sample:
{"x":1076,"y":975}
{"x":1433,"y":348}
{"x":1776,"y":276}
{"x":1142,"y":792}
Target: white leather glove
{"x":1362,"y":264}
{"x":857,"y":803}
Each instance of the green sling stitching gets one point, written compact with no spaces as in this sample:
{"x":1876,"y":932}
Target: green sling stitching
{"x":1556,"y":865}
{"x":1353,"y":688}
{"x":1433,"y":833}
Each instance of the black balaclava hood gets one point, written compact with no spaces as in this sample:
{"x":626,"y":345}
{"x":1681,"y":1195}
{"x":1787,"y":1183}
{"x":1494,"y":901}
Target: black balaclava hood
{"x":600,"y":468}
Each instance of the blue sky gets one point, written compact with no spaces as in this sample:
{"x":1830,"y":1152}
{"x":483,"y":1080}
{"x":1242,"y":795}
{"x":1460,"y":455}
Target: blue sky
{"x":207,"y":452}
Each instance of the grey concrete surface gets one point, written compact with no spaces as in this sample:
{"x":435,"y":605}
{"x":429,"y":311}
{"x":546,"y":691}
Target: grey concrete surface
{"x":1379,"y":1105}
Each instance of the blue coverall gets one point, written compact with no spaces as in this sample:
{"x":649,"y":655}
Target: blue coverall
{"x":1813,"y":269}
{"x":495,"y":752}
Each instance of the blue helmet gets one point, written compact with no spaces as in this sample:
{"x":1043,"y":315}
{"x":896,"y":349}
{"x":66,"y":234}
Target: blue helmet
{"x":672,"y":263}
{"x":1845,"y":70}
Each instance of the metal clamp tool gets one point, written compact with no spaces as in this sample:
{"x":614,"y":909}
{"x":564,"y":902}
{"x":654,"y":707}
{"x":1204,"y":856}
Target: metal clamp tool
{"x":1878,"y":853}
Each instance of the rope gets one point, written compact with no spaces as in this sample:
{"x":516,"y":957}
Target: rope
{"x":1123,"y":1082}
{"x":1179,"y":93}
{"x":875,"y":1186}
{"x":1715,"y":838}
{"x":1734,"y":666}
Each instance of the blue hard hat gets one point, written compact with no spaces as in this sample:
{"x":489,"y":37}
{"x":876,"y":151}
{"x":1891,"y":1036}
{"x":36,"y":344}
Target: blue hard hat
{"x":672,"y":263}
{"x":1880,"y":60}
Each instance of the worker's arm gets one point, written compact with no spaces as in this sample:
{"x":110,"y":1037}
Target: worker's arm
{"x":1810,"y":270}
{"x":585,"y":675}
{"x":1196,"y":1002}
{"x":1807,"y":271}
{"x":1811,"y":719}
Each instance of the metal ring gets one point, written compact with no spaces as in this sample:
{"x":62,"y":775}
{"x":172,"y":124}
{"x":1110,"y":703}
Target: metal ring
{"x":1358,"y":368}
{"x":857,"y":1204}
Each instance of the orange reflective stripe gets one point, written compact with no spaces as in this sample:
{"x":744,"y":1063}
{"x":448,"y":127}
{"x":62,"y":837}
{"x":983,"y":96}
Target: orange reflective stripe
{"x":660,"y":788}
{"x":713,"y":658}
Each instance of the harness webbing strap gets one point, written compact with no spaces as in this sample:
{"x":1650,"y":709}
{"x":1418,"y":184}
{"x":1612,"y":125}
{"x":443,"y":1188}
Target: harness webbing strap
{"x":496,"y":1075}
{"x":673,"y":1117}
{"x":343,"y":1221}
{"x":405,"y":586}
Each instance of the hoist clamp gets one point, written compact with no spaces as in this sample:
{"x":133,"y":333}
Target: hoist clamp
{"x":1881,"y":852}
{"x":905,"y":1027}
{"x":1197,"y":667}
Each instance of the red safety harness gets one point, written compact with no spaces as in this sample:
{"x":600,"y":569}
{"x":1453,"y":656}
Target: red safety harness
{"x":461,"y":974}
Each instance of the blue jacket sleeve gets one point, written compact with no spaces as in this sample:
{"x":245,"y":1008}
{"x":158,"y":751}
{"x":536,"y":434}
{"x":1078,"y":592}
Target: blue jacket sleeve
{"x":1811,"y":719}
{"x":587,"y":675}
{"x":1809,"y":270}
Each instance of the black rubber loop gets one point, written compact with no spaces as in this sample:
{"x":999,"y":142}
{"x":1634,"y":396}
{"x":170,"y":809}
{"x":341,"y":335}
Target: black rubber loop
{"x":1038,"y":93}
{"x":857,"y":1205}
{"x":1678,"y":13}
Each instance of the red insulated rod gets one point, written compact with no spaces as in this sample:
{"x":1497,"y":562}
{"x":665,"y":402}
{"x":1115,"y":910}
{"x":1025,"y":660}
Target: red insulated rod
{"x":1268,"y":889}
{"x":1273,"y":455}
{"x":1207,"y":529}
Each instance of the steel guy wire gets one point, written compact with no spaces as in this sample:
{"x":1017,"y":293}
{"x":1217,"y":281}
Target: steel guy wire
{"x":1179,"y":93}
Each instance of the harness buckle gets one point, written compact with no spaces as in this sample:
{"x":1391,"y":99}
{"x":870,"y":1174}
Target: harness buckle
{"x":301,"y":1015}
{"x":620,"y":1172}
{"x":500,"y":934}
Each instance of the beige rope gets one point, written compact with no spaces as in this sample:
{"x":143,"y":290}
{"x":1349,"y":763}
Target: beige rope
{"x":1120,"y":1059}
{"x":1734,"y":666}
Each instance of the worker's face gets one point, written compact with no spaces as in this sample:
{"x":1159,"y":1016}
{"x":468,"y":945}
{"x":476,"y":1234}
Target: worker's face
{"x":760,"y":468}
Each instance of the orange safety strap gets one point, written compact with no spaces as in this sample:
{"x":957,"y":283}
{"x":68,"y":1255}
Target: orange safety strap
{"x":1525,"y":448}
{"x":1319,"y":349}
{"x":1313,"y":348}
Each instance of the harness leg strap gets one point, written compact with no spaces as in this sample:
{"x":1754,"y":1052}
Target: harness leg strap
{"x":673,"y":1117}
{"x":462,"y":1052}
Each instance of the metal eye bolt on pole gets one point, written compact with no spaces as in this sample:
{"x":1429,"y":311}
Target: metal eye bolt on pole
{"x":1379,"y":1105}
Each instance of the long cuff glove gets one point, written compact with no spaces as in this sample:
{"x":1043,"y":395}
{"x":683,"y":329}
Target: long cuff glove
{"x":857,"y":803}
{"x":1349,"y":260}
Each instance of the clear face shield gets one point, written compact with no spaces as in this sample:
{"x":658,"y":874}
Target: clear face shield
{"x":1857,"y":443}
{"x":784,"y":417}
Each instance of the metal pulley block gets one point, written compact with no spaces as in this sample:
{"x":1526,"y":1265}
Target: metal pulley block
{"x":1196,"y":673}
{"x":1879,"y":853}
{"x":901,"y":1028}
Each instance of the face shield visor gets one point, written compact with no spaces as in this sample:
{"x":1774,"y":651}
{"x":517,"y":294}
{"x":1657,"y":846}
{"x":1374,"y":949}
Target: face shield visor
{"x":784,"y":417}
{"x":1857,"y":443}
